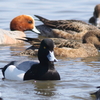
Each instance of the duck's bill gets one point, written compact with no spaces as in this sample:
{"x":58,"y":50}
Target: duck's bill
{"x":51,"y":56}
{"x":35,"y":30}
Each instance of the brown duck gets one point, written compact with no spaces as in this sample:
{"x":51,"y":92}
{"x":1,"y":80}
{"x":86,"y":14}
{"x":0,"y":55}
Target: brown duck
{"x":67,"y":29}
{"x":68,"y":48}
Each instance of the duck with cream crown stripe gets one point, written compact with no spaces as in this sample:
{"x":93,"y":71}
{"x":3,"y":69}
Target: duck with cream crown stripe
{"x":28,"y":70}
{"x":18,"y":25}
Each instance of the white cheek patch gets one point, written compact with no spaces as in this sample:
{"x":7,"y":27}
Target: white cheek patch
{"x":51,"y":56}
{"x":12,"y":73}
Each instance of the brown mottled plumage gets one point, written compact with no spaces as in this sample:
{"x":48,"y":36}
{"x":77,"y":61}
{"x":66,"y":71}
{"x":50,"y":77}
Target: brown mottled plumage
{"x":63,"y":47}
{"x":92,"y":37}
{"x":67,"y":29}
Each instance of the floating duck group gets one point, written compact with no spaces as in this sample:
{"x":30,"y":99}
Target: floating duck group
{"x":66,"y":38}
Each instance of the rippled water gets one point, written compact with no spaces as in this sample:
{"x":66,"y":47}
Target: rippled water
{"x":79,"y":76}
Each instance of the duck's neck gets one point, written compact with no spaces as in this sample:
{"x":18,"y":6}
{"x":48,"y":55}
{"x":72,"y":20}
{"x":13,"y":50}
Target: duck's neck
{"x":48,"y":64}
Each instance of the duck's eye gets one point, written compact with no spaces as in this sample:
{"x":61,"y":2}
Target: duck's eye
{"x":44,"y":47}
{"x":30,"y":22}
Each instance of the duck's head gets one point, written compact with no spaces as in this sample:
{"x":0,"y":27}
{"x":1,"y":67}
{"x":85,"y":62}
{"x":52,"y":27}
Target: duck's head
{"x":96,"y":16}
{"x":23,"y":23}
{"x":46,"y":51}
{"x":92,"y":37}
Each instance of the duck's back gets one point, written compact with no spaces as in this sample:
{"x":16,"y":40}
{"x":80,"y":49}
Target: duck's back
{"x":16,"y":70}
{"x":10,"y":37}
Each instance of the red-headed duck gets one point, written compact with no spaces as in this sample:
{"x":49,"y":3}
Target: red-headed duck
{"x":18,"y":25}
{"x":28,"y":70}
{"x":95,"y":20}
{"x":69,"y":48}
{"x":67,"y":29}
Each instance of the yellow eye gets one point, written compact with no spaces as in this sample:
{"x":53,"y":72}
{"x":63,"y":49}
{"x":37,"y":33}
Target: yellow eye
{"x":44,"y":47}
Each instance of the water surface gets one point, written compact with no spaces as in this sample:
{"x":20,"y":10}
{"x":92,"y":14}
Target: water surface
{"x":79,"y":76}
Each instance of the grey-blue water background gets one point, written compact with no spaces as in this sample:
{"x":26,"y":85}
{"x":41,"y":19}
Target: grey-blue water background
{"x":79,"y":76}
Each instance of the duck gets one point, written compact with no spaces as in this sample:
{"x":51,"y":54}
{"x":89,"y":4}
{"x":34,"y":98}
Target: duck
{"x":92,"y":37}
{"x":29,"y":70}
{"x":95,"y":19}
{"x":1,"y":98}
{"x":18,"y":25}
{"x":97,"y":94}
{"x":88,"y":47}
{"x":67,"y":29}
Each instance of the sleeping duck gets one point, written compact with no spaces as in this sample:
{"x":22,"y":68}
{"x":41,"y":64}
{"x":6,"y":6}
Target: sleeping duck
{"x":67,"y":29}
{"x":68,"y":48}
{"x":28,"y":70}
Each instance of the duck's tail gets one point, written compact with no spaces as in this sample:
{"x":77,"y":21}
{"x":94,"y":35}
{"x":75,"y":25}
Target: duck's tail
{"x":51,"y":23}
{"x":32,"y":41}
{"x":28,"y":39}
{"x":1,"y":68}
{"x":41,"y":18}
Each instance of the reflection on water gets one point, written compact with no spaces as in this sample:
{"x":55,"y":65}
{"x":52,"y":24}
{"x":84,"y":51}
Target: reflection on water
{"x":46,"y":88}
{"x":79,"y":76}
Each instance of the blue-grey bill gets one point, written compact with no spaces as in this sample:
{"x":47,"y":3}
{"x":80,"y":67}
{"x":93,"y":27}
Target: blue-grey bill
{"x":51,"y":56}
{"x":35,"y":30}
